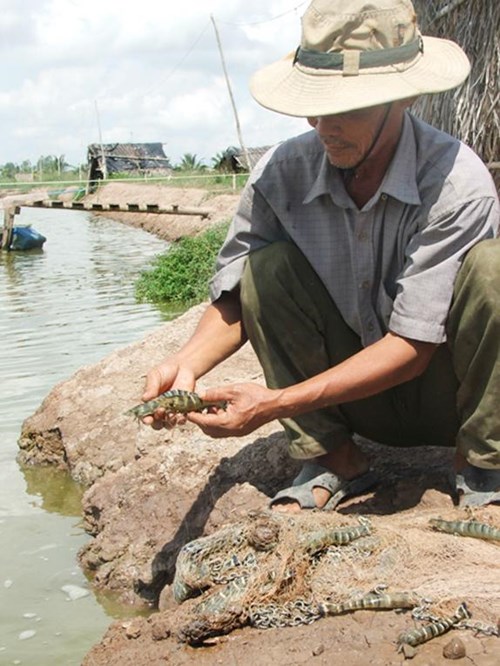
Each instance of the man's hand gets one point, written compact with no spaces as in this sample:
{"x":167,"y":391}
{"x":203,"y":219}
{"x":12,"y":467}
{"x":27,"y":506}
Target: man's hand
{"x":165,"y":377}
{"x":219,"y":334}
{"x":248,"y":407}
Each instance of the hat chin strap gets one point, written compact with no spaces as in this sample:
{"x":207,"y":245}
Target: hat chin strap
{"x":350,"y":173}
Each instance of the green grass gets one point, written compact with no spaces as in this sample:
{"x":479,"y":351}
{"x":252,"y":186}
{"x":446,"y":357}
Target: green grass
{"x":183,"y":273}
{"x":208,"y":179}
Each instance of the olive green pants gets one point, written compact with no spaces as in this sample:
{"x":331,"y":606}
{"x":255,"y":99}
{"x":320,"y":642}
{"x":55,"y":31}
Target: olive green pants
{"x":298,"y":332}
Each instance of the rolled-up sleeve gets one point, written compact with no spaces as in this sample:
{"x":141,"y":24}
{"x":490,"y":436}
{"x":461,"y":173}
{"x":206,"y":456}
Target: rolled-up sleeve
{"x":254,"y":225}
{"x":433,"y":258}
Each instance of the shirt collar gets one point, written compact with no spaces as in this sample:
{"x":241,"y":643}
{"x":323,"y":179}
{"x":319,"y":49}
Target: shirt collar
{"x":399,"y":181}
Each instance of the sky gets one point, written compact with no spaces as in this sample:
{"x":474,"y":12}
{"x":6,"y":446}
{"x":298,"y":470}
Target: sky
{"x":76,"y":72}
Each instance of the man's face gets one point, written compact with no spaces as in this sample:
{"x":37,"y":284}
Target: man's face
{"x":347,"y":137}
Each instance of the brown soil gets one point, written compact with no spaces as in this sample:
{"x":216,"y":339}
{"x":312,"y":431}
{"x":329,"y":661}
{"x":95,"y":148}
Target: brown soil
{"x":149,"y":493}
{"x":220,"y":207}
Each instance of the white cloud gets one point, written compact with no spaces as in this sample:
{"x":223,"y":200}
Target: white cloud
{"x":149,"y":71}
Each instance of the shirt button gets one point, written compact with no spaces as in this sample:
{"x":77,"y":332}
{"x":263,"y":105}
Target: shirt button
{"x":371,"y":327}
{"x":365,"y":284}
{"x":383,"y":197}
{"x":362,"y":236}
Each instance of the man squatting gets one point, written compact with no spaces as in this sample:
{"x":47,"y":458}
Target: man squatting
{"x":362,"y":266}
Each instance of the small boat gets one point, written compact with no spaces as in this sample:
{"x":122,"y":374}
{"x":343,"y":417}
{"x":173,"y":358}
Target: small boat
{"x":25,"y":238}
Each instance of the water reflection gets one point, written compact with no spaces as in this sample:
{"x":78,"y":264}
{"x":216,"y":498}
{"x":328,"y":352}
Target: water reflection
{"x":54,"y":490}
{"x":62,"y":307}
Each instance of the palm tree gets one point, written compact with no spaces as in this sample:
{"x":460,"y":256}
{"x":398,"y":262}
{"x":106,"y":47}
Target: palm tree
{"x":190,"y":162}
{"x":223,"y":159}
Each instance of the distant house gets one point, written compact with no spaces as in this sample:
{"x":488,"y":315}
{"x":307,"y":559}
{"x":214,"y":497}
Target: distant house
{"x":235,"y":159}
{"x":140,"y":158}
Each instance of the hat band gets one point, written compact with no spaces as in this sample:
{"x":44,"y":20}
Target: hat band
{"x":364,"y":59}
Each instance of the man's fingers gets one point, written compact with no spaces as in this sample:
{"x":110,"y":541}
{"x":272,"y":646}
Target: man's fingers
{"x":204,"y":419}
{"x":162,"y":419}
{"x":153,"y":386}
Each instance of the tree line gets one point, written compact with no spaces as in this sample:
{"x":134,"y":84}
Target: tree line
{"x":51,"y":166}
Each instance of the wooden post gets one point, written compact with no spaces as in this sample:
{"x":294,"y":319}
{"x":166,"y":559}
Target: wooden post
{"x":8,"y":226}
{"x":231,"y":98}
{"x":104,"y":166}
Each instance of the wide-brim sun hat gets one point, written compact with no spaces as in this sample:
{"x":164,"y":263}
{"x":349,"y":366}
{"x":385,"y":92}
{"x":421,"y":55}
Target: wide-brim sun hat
{"x":355,"y":54}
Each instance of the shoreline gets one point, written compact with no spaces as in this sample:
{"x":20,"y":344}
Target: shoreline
{"x":149,"y":493}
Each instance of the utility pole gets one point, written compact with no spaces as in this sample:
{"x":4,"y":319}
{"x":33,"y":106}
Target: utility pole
{"x":228,"y":83}
{"x":103,"y":156}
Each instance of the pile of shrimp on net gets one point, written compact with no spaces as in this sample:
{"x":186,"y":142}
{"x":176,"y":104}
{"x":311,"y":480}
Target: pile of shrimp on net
{"x":276,"y":569}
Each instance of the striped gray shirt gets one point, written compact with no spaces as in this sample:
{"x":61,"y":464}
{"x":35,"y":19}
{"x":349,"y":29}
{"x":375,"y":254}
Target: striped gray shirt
{"x":389,"y":266}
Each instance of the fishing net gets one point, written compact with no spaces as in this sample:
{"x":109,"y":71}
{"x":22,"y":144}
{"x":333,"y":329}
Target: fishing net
{"x":275,"y":570}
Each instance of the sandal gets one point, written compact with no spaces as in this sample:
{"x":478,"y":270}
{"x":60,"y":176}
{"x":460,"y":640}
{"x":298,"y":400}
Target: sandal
{"x":477,"y":487}
{"x":313,"y":475}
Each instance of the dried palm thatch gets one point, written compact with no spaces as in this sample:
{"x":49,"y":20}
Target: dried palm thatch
{"x":472,"y":111}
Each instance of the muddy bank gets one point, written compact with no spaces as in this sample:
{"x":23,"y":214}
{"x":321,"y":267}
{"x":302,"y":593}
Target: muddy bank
{"x":149,"y":493}
{"x":181,"y":480}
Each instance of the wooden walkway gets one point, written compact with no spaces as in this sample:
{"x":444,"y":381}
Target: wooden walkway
{"x":15,"y":208}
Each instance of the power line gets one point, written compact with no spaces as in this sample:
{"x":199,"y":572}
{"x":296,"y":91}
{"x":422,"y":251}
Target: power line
{"x":268,"y":20}
{"x":161,"y":81}
{"x":188,"y":52}
{"x":179,"y":63}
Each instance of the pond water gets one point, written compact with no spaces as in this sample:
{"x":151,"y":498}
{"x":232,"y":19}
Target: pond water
{"x":63,"y":307}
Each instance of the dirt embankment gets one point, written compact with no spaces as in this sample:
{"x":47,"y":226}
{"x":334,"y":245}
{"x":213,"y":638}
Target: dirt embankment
{"x":220,"y":207}
{"x":149,"y":493}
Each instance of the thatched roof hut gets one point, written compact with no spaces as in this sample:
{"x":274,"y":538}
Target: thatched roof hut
{"x":139,"y":158}
{"x":236,"y":160}
{"x":471,"y":112}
